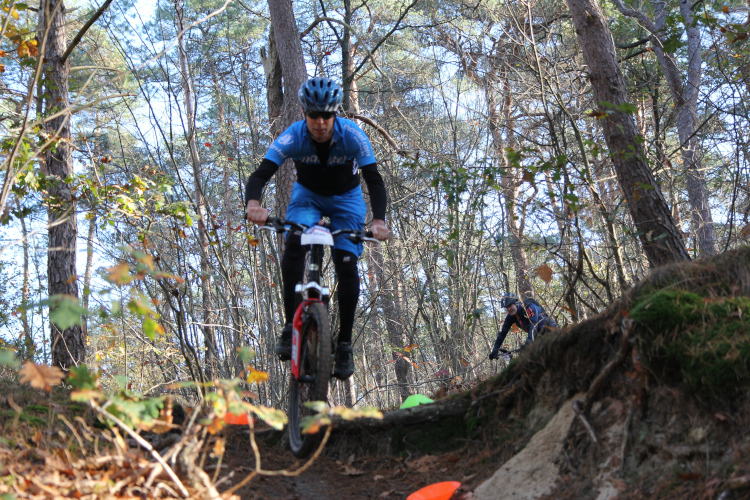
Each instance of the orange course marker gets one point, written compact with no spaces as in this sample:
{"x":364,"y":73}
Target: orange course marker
{"x":231,"y":418}
{"x":437,"y":491}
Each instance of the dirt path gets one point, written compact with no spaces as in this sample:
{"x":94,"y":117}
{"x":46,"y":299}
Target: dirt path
{"x":334,"y":476}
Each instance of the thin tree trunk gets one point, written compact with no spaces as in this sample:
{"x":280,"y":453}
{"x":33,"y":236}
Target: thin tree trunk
{"x":235,"y":340}
{"x":29,"y":345}
{"x":294,"y":75}
{"x":511,"y":184}
{"x":89,"y":269}
{"x":199,"y":200}
{"x":685,"y":96}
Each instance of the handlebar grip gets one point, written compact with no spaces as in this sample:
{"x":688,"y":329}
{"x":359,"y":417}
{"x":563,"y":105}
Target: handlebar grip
{"x":368,"y":234}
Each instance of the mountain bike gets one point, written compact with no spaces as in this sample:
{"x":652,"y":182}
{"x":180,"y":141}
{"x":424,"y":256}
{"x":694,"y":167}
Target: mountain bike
{"x":509,"y":355}
{"x":312,"y":343}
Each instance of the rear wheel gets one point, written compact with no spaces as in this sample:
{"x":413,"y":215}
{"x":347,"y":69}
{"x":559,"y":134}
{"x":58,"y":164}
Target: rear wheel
{"x":315,"y":373}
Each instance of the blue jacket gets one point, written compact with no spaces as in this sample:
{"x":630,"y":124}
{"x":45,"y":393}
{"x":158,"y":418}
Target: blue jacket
{"x":336,"y":172}
{"x":531,"y":318}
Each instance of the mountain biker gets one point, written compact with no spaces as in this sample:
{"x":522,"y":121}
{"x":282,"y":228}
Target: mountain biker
{"x":328,"y":154}
{"x":528,"y":315}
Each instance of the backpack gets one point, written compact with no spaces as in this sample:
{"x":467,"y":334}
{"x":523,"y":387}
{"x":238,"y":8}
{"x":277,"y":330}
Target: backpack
{"x":550,"y":320}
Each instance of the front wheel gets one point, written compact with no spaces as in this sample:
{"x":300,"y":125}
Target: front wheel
{"x":315,"y":369}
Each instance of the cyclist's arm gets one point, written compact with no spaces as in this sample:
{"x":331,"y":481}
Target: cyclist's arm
{"x":253,"y":189}
{"x":509,"y":320}
{"x":376,"y":188}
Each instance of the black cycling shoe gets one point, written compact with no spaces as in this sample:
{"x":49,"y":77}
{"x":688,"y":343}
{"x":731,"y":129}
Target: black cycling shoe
{"x":283,"y":347}
{"x":343,"y":364}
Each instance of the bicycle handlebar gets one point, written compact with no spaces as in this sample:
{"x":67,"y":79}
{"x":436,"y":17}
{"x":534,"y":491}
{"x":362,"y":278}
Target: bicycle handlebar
{"x":280,"y":225}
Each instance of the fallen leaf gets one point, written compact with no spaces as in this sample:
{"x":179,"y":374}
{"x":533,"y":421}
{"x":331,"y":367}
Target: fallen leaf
{"x":528,"y":176}
{"x":422,"y":464}
{"x":218,"y":448}
{"x":216,"y":425}
{"x":41,"y":376}
{"x":254,"y":375}
{"x":348,"y":470}
{"x":119,"y":274}
{"x":720,"y":417}
{"x":571,"y":311}
{"x":690,"y":476}
{"x":545,"y":273}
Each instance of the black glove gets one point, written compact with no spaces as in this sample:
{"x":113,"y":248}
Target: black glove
{"x":494,"y":354}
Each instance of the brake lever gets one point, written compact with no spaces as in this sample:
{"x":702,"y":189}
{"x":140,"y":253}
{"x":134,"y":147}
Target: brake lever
{"x":363,"y":236}
{"x":274,"y":224}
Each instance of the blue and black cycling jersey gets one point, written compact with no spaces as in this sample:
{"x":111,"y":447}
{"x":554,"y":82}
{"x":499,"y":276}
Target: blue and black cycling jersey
{"x":326,"y":169}
{"x":531,"y":318}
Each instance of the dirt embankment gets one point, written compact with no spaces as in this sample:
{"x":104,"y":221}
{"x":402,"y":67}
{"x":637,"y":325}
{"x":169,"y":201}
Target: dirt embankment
{"x":647,"y":400}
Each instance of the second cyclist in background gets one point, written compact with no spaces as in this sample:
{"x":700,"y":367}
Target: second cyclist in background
{"x":328,"y":154}
{"x":529,"y":315}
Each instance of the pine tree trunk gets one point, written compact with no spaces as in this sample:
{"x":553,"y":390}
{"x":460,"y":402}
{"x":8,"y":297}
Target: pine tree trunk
{"x":657,"y":232}
{"x":68,"y":346}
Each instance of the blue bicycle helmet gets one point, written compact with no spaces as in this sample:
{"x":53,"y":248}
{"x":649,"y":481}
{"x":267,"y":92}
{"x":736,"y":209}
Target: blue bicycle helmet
{"x":508,"y":300}
{"x":320,"y":94}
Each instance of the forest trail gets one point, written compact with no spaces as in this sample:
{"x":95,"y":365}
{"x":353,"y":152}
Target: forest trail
{"x":649,"y":399}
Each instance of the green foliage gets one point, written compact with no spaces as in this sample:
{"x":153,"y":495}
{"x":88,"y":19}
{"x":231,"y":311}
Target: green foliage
{"x":8,"y":358}
{"x":36,"y":408}
{"x":702,"y":341}
{"x":81,"y":377}
{"x":32,"y":420}
{"x":65,"y":311}
{"x":133,"y":409}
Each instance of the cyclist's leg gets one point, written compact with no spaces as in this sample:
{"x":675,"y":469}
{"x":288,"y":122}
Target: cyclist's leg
{"x":346,"y":211}
{"x":345,"y":264}
{"x":292,"y":272}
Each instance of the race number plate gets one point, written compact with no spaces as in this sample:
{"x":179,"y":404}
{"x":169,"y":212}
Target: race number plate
{"x":317,"y":235}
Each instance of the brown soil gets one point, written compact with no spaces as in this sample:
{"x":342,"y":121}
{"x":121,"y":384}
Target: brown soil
{"x":334,"y":475}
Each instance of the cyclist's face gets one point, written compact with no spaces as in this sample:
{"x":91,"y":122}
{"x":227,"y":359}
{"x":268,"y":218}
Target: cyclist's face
{"x":320,"y":128}
{"x":512,"y":309}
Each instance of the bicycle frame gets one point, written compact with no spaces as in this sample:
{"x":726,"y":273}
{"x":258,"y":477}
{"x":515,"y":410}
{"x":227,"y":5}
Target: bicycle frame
{"x":318,"y":237}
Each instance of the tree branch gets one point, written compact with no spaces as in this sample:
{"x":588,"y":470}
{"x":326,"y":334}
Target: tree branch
{"x":380,"y":129}
{"x":634,"y":44}
{"x":637,"y":14}
{"x":83,"y":30}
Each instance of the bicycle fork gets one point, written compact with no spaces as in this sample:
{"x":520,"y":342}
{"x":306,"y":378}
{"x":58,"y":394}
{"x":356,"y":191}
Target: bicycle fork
{"x":307,"y":294}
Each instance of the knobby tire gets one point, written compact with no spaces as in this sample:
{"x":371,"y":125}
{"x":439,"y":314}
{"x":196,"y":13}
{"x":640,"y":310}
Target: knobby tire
{"x":315,"y":359}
